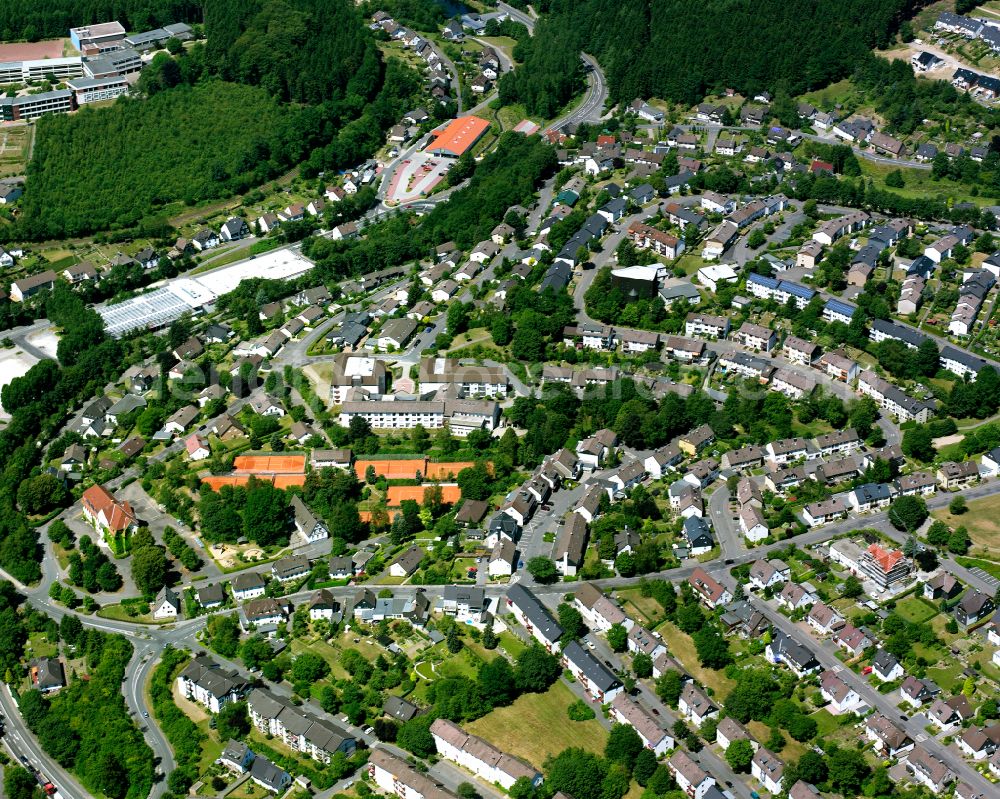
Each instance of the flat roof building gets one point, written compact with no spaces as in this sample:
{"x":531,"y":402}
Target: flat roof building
{"x":458,"y":137}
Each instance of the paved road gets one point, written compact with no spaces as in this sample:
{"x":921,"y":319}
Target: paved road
{"x":914,"y":725}
{"x":20,"y":741}
{"x":592,"y":107}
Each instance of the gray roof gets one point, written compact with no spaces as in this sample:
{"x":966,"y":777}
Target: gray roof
{"x":592,"y":668}
{"x":536,"y":613}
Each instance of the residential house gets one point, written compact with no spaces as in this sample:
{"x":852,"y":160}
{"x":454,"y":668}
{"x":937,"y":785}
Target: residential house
{"x":598,"y":682}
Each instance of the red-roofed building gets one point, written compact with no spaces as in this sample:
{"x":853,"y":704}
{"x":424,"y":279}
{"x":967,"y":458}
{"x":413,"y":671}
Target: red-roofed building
{"x":605,"y":140}
{"x":884,"y":566}
{"x":106,"y":513}
{"x":817,"y":166}
{"x":458,"y":137}
{"x":197,"y":447}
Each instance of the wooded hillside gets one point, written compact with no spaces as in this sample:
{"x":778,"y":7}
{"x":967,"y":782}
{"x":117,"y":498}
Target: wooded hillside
{"x":48,"y":19}
{"x":110,"y":167}
{"x":681,"y":50}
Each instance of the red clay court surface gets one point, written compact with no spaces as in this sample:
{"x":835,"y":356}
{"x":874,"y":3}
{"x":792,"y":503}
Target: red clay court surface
{"x":278,"y":480}
{"x":450,"y":494}
{"x":30,"y":51}
{"x":407,"y":468}
{"x":270,"y":464}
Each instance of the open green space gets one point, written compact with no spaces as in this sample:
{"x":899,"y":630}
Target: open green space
{"x":916,"y":610}
{"x":982,"y":520}
{"x":918,"y":183}
{"x":682,"y":648}
{"x":536,"y":726}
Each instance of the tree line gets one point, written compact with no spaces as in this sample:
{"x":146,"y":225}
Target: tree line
{"x":45,"y":19}
{"x":683,"y":51}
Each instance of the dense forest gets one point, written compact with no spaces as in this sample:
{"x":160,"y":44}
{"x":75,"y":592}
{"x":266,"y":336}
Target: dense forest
{"x":46,"y":19}
{"x":108,"y":167}
{"x":278,"y":82}
{"x":682,"y":51}
{"x":303,"y":50}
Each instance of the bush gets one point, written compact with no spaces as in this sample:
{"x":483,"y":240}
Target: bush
{"x":580,"y":711}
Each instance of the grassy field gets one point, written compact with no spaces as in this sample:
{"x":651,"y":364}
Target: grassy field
{"x":536,"y":726}
{"x":682,"y":648}
{"x":916,"y":610}
{"x":981,"y":520}
{"x":918,"y":182}
{"x":648,"y":608}
{"x":834,"y":93}
{"x":986,"y":565}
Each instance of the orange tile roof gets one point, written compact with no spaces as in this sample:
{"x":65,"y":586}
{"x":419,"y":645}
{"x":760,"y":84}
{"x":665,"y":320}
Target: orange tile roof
{"x":396,"y":494}
{"x":885,"y":558}
{"x":119,"y":515}
{"x":458,"y":136}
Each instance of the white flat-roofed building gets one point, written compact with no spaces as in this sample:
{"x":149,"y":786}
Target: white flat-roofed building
{"x":33,"y":70}
{"x":95,"y":90}
{"x":32,"y":106}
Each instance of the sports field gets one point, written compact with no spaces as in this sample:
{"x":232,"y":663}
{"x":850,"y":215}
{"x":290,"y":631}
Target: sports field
{"x":270,"y":464}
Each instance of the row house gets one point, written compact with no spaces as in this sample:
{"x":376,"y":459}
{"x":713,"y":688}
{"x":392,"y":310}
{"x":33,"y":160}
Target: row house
{"x":646,"y":237}
{"x":600,"y":612}
{"x":534,"y":617}
{"x":825,"y":511}
{"x":302,"y":732}
{"x":481,"y":757}
{"x":892,"y":399}
{"x":748,"y":366}
{"x":394,"y":776}
{"x":834,"y":229}
{"x":626,"y":711}
{"x":599,"y":682}
{"x":957,"y":475}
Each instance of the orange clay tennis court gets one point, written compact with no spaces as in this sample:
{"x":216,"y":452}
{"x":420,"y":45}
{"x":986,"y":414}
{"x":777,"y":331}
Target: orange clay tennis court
{"x":270,"y":464}
{"x":450,"y":494}
{"x":403,"y":469}
{"x":278,"y":480}
{"x":366,"y":515}
{"x":407,"y":468}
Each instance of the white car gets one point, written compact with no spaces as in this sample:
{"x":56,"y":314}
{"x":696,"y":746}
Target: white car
{"x":369,"y":730}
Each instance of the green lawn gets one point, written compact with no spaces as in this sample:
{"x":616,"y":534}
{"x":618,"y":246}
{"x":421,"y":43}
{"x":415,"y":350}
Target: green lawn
{"x":987,"y":566}
{"x":682,"y":648}
{"x":981,"y":520}
{"x":948,"y":677}
{"x":916,"y":610}
{"x":536,"y":726}
{"x":918,"y":182}
{"x":39,"y":646}
{"x":831,"y":95}
{"x":826,"y":722}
